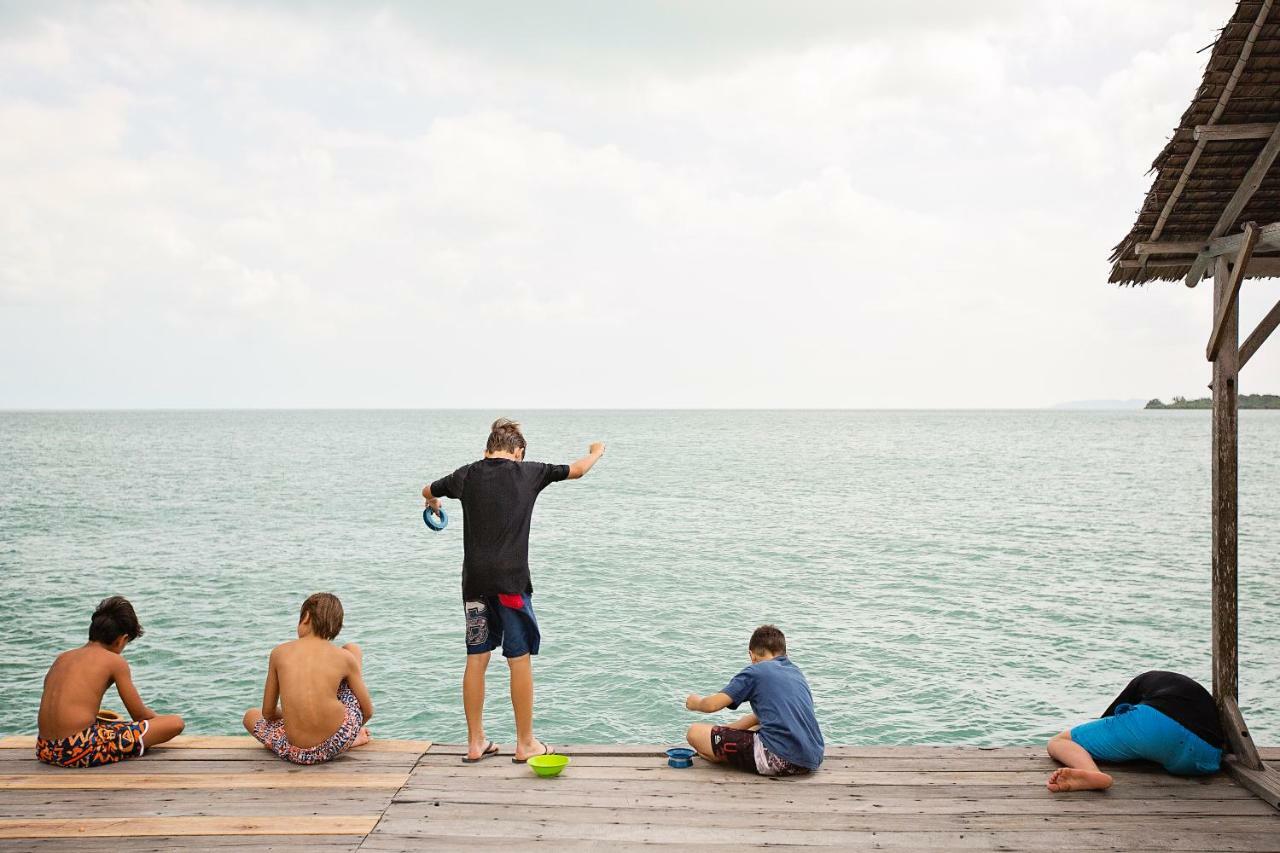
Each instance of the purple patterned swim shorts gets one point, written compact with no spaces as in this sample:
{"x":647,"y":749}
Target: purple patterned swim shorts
{"x":272,"y":735}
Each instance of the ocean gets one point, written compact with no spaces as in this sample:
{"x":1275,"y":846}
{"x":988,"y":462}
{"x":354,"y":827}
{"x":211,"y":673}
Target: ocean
{"x":943,"y":577}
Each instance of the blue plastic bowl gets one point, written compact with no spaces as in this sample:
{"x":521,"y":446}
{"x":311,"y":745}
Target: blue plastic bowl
{"x":680,"y":756}
{"x":436,"y":521}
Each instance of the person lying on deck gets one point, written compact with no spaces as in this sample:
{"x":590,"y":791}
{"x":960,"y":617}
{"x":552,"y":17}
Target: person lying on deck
{"x":71,"y":732}
{"x":1161,"y":716}
{"x":781,"y":737}
{"x":315,"y":702}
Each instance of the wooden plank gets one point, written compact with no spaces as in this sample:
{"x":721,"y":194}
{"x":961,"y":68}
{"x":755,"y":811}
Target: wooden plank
{"x":88,"y":780}
{"x":189,"y":843}
{"x":169,"y":802}
{"x":1229,"y":300}
{"x":1171,"y":247}
{"x":1041,"y":802}
{"x":1268,"y":238}
{"x":1259,"y":336}
{"x":734,"y":819}
{"x":418,"y":747}
{"x":1127,"y":787}
{"x":416,"y":834}
{"x":1238,"y":736}
{"x":1248,"y":186}
{"x":267,"y":765}
{"x":1264,"y":783}
{"x":1225,"y":437}
{"x":703,"y":774}
{"x":111,"y":827}
{"x":1229,"y":132}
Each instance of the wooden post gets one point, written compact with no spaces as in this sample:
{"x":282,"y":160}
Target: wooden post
{"x":1225,"y":392}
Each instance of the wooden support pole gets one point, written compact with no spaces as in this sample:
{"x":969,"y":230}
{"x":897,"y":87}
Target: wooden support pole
{"x":1225,"y":662}
{"x":1259,"y":336}
{"x":1230,"y":301}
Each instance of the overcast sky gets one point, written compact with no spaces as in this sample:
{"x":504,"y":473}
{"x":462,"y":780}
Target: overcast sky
{"x":583,"y":204}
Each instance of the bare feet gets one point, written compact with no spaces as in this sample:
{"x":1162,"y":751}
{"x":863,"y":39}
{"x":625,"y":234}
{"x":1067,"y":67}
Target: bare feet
{"x":1071,"y":779}
{"x":362,"y":738}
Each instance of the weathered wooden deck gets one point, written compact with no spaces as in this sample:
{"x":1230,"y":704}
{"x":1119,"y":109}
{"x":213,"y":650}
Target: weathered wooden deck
{"x":228,"y":793}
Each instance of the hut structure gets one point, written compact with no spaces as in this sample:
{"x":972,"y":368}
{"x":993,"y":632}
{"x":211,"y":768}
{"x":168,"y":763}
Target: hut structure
{"x":1214,"y":210}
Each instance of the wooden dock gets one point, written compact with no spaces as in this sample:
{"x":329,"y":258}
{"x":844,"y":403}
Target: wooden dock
{"x":229,"y":794}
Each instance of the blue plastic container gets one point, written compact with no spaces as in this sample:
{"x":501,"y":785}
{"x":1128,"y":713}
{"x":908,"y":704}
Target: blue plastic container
{"x":680,"y":756}
{"x":436,"y":521}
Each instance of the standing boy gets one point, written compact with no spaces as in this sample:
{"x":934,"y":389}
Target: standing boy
{"x":781,"y":736}
{"x":315,"y":703}
{"x":498,"y":493}
{"x":71,"y":735}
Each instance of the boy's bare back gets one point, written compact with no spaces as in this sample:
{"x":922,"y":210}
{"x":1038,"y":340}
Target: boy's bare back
{"x":75,"y":685}
{"x":305,"y":674}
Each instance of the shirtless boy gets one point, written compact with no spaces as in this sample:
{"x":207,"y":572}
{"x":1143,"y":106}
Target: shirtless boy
{"x":71,"y":735}
{"x":315,"y":703}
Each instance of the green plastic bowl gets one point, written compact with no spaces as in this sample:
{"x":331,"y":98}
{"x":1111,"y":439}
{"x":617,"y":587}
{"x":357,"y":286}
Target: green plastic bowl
{"x":548,"y":765}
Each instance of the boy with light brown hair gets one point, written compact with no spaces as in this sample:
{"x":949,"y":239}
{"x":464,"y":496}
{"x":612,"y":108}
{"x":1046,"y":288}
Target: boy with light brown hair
{"x":315,"y":703}
{"x":71,"y":732}
{"x":498,"y":493}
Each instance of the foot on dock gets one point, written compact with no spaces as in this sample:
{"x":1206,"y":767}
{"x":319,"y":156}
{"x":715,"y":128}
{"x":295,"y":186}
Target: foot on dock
{"x":1071,"y":779}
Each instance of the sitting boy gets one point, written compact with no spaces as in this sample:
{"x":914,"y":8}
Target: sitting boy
{"x":781,"y":737}
{"x":1161,"y":716}
{"x":71,"y":735}
{"x":315,"y":704}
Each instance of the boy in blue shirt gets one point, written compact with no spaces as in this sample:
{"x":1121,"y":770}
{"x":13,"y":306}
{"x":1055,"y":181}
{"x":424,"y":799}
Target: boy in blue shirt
{"x":781,"y":737}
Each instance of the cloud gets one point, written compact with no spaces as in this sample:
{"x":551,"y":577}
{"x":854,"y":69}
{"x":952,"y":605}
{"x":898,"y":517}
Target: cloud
{"x":842,"y":208}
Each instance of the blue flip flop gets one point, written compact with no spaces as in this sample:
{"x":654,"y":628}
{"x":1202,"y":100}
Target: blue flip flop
{"x":437,"y":520}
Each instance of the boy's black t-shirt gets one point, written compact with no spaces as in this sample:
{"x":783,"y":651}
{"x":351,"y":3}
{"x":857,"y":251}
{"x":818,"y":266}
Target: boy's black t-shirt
{"x":497,"y":504}
{"x":1179,"y":698}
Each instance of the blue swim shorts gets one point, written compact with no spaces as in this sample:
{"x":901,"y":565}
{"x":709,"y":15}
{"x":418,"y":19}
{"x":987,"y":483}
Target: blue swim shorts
{"x":1142,"y":732}
{"x":491,"y":624}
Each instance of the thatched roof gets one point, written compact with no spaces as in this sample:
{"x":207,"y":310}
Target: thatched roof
{"x":1233,"y":93}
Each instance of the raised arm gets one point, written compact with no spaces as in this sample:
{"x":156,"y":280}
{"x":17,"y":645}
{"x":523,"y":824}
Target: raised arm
{"x":133,"y":703}
{"x":583,"y":465}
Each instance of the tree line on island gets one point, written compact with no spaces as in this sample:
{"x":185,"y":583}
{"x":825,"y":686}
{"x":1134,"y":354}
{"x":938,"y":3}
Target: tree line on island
{"x":1247,"y":401}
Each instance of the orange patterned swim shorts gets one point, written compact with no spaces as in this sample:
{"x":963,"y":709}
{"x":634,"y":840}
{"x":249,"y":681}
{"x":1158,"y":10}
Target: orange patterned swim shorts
{"x":102,"y":743}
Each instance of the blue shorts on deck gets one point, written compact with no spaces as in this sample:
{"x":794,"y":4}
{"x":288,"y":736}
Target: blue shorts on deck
{"x":1142,"y":732}
{"x":491,"y":623}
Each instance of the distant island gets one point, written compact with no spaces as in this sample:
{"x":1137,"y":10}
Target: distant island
{"x":1247,"y":401}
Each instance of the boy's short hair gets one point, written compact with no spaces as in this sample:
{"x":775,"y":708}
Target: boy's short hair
{"x":114,"y":618}
{"x":325,"y":611}
{"x":767,"y":638}
{"x":505,"y":437}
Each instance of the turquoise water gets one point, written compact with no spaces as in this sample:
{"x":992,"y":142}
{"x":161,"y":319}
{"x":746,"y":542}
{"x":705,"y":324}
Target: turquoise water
{"x":942,"y":577}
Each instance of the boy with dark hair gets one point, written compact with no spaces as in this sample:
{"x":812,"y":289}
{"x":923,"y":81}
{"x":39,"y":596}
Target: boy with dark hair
{"x":781,"y":737}
{"x":1163,"y":717}
{"x":315,"y":702}
{"x":498,"y":493}
{"x":71,"y":734}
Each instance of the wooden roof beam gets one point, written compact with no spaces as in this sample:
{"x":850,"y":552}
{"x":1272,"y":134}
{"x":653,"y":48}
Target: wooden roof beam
{"x":1172,"y":247}
{"x":1259,"y":335}
{"x":1252,"y":180}
{"x":1225,"y":132}
{"x":1232,"y":292}
{"x":1268,"y":236}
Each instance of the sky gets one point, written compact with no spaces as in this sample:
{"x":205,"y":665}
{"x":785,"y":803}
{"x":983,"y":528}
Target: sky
{"x":714,"y":203}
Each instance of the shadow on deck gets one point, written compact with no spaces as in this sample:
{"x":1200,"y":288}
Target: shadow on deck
{"x":228,"y":793}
